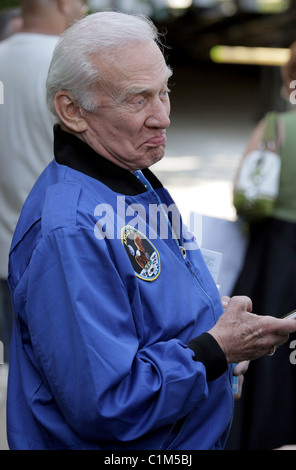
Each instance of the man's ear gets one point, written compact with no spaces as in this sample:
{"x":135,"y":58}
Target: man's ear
{"x":69,"y":112}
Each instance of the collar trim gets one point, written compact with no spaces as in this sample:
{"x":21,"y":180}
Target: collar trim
{"x":70,"y":151}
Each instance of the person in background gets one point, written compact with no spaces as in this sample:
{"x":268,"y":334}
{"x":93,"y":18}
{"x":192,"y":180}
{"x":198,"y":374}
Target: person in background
{"x":25,"y":122}
{"x":265,"y":416}
{"x":120,"y":340}
{"x":11,"y":22}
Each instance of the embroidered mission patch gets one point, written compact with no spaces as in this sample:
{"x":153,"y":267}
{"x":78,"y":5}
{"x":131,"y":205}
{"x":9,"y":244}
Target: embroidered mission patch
{"x":142,"y":253}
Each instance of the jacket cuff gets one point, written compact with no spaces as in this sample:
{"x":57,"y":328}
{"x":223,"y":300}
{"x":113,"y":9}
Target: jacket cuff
{"x":208,"y":351}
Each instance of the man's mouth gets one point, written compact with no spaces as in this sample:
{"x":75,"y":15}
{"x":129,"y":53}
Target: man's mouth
{"x":157,"y":141}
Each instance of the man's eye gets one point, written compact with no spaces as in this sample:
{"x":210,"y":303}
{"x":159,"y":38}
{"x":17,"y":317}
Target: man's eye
{"x":165,"y":93}
{"x":138,"y":100}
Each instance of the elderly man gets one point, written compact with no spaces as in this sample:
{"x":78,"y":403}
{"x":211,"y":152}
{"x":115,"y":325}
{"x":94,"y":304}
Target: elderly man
{"x":119,"y":340}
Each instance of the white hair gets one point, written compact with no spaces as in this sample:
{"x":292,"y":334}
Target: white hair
{"x":71,"y":67}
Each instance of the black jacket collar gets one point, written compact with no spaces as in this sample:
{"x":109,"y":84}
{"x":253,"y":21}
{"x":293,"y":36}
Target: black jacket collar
{"x":73,"y":152}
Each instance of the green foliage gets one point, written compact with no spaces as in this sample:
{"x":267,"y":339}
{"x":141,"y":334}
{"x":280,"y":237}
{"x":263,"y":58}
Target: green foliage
{"x":8,"y":4}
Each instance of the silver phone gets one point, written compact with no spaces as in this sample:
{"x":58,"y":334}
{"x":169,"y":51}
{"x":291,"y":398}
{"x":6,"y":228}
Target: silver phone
{"x":290,"y":315}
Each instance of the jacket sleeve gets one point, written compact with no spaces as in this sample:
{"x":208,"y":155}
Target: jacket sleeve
{"x":85,"y":339}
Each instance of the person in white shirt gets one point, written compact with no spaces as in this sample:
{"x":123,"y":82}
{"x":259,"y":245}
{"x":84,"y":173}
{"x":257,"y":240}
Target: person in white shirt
{"x":26,"y":125}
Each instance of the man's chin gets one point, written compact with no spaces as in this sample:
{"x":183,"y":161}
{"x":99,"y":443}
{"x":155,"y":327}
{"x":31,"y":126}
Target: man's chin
{"x":156,"y":157}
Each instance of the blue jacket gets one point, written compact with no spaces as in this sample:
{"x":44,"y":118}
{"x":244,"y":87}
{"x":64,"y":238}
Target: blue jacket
{"x":108,"y":347}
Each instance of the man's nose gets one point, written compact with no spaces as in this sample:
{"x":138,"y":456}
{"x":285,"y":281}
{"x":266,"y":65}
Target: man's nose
{"x":159,"y":115}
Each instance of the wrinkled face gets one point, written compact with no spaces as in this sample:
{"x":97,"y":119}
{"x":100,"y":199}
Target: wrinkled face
{"x":129,"y":126}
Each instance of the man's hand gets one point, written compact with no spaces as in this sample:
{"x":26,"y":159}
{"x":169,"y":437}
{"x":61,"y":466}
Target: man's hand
{"x":244,"y":336}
